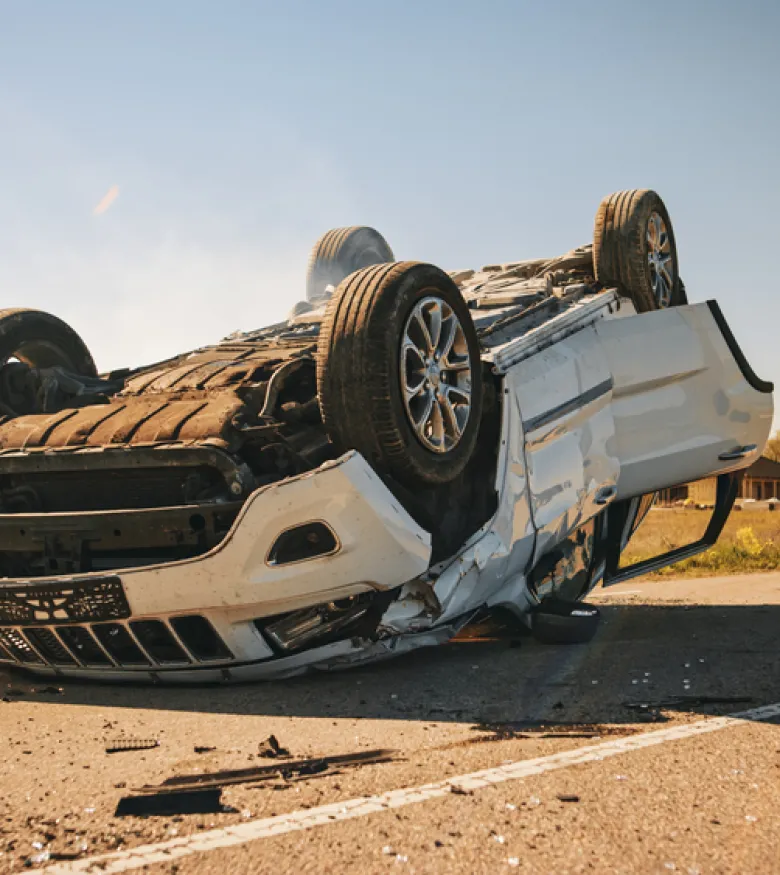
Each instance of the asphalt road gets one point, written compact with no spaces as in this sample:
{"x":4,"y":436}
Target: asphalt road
{"x":664,"y":788}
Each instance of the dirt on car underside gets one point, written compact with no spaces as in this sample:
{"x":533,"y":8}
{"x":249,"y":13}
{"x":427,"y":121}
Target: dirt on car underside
{"x":157,"y":462}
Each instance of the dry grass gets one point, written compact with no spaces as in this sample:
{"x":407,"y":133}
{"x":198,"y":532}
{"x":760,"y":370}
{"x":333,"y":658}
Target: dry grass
{"x":750,"y":542}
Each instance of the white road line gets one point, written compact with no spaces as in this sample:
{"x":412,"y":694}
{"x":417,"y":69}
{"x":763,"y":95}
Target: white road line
{"x":144,"y":855}
{"x":606,"y":595}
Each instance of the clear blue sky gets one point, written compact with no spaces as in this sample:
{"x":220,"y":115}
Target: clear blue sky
{"x":465,"y":132}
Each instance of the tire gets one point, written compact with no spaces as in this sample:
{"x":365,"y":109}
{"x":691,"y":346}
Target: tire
{"x":41,"y":340}
{"x":681,"y":295}
{"x":360,"y":381}
{"x":340,"y":252}
{"x":559,"y":622}
{"x":36,"y":340}
{"x":625,"y":255}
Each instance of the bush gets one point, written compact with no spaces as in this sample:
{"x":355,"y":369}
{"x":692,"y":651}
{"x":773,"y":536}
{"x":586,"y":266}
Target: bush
{"x":745,"y":553}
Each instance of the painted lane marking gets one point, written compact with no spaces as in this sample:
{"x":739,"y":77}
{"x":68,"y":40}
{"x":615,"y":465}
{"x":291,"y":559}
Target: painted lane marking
{"x":163,"y":852}
{"x":617,"y":592}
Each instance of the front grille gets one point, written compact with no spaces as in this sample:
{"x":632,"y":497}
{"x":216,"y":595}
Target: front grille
{"x":82,"y":644}
{"x":49,"y":646}
{"x":136,"y":644}
{"x":120,"y":644}
{"x":158,"y":642}
{"x":17,"y":645}
{"x":200,"y":638}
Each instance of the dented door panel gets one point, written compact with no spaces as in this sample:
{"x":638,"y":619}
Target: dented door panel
{"x":565,"y":395}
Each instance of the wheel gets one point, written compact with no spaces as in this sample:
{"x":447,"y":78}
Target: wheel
{"x":399,"y":373}
{"x":340,"y":252}
{"x":561,"y":622}
{"x":634,"y":249}
{"x":34,"y":339}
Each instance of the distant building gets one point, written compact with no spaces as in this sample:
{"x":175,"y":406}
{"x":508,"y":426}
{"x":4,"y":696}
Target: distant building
{"x":760,"y":481}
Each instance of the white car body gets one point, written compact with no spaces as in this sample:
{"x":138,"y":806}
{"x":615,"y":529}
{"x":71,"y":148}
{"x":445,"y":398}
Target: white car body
{"x":600,"y":404}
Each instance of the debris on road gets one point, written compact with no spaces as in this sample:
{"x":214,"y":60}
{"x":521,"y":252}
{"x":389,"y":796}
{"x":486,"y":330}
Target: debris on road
{"x":568,"y":797}
{"x":271,"y":749}
{"x":200,"y":801}
{"x":120,"y":745}
{"x":526,"y":729}
{"x":203,"y":748}
{"x":287,"y":771}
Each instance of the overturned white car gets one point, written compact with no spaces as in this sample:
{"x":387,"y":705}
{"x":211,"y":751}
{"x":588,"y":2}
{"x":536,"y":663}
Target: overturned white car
{"x":411,"y":448}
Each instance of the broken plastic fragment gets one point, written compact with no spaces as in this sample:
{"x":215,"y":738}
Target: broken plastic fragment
{"x":127,"y":744}
{"x":271,"y":749}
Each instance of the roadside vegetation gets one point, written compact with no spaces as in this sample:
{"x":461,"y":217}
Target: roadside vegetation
{"x":750,"y":542}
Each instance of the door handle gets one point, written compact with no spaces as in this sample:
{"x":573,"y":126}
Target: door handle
{"x":737,"y":453}
{"x":605,"y":495}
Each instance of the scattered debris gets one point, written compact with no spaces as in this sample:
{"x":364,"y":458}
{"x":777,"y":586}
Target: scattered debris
{"x":48,"y":691}
{"x":286,"y":771}
{"x":552,"y":729}
{"x":202,"y":748}
{"x":120,"y":745}
{"x":568,"y":797}
{"x":271,"y":749}
{"x":460,"y":791}
{"x":674,"y":701}
{"x":171,"y":803}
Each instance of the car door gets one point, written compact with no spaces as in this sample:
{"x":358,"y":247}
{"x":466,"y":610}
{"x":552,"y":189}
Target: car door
{"x":685,"y":402}
{"x":565,"y":396}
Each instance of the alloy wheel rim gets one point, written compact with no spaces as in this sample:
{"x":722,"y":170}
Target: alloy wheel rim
{"x":436,"y":375}
{"x":660,"y":260}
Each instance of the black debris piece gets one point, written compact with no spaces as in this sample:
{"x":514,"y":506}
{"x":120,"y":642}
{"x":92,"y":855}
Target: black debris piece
{"x":550,"y":729}
{"x":286,"y":771}
{"x":271,"y":749}
{"x":202,"y":748}
{"x":120,"y":745}
{"x":568,"y":797}
{"x":167,"y":804}
{"x":460,"y":791}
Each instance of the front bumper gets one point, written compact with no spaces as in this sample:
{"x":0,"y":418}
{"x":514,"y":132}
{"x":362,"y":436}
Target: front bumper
{"x":193,"y":620}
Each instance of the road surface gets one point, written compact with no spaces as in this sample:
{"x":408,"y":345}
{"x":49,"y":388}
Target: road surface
{"x":506,"y":756}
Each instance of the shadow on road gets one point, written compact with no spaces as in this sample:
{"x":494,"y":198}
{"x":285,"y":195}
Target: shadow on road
{"x":642,"y":654}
